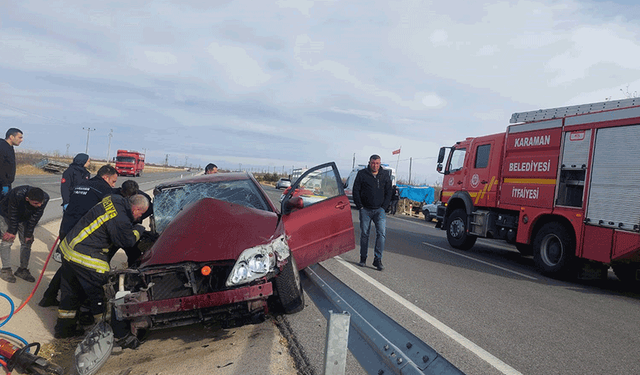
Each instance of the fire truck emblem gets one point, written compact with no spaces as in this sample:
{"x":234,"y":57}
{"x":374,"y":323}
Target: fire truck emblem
{"x":450,"y":181}
{"x":475,"y":180}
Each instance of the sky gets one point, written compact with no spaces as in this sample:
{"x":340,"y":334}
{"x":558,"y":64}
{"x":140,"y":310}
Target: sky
{"x":275,"y":85}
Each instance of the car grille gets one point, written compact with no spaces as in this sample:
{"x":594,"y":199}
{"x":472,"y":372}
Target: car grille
{"x":187,"y":280}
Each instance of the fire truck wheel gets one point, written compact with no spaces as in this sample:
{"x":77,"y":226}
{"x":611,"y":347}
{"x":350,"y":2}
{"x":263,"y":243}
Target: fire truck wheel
{"x":457,"y":234}
{"x":553,"y":249}
{"x":628,"y":273}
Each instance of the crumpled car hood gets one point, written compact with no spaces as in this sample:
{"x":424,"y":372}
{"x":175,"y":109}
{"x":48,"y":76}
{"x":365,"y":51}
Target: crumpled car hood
{"x":211,"y":230}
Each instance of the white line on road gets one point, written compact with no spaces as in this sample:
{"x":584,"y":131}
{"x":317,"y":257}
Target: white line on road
{"x":480,"y":261}
{"x":465,"y":342}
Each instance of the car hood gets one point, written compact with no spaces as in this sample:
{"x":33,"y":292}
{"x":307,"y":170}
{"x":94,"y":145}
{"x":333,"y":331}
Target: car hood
{"x":212,"y":230}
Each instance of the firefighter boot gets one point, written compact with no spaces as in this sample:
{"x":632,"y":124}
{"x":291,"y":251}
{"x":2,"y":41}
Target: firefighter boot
{"x":66,"y":328}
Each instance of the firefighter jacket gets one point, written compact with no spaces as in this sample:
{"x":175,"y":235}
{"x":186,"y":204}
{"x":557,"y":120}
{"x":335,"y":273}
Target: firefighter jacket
{"x":73,"y":176}
{"x":84,"y":197}
{"x":371,"y":191}
{"x":107,"y":224}
{"x":7,"y":164}
{"x":15,"y":209}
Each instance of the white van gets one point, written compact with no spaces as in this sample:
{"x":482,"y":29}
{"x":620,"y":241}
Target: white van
{"x":348,"y":185}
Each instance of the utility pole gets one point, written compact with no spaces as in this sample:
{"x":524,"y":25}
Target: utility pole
{"x":353,"y":165}
{"x":89,"y":130}
{"x":166,"y":160}
{"x":109,"y":147}
{"x":67,"y":154}
{"x":410,"y":163}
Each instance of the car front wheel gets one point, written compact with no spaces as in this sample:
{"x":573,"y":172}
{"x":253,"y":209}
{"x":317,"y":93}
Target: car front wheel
{"x":289,"y":289}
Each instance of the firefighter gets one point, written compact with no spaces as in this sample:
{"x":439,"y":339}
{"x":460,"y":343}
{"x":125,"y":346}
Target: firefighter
{"x":84,"y":197}
{"x":85,"y":262}
{"x":75,"y":175}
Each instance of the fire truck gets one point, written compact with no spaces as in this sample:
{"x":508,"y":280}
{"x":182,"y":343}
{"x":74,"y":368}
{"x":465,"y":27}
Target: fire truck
{"x":129,"y":163}
{"x":561,"y":184}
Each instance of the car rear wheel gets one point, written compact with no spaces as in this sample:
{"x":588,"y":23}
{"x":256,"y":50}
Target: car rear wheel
{"x":290,"y":295}
{"x":427,"y":216}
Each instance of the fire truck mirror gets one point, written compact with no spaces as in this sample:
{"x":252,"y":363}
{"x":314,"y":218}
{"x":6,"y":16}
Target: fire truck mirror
{"x":439,"y":168}
{"x":441,"y":155}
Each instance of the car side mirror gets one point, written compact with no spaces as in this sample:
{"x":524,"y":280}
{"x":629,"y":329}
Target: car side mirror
{"x":294,"y":202}
{"x":439,"y":168}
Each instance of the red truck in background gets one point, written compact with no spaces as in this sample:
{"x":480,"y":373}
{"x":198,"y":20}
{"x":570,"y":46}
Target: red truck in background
{"x":129,"y":163}
{"x":562,"y":184}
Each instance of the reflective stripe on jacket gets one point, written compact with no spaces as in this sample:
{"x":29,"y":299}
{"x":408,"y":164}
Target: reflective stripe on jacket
{"x":106,"y":224}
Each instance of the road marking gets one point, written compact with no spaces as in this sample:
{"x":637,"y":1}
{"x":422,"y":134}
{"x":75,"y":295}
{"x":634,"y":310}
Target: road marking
{"x":55,"y":199}
{"x":480,"y":261}
{"x":465,"y":342}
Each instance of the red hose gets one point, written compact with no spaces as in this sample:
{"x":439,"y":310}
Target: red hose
{"x":46,"y":262}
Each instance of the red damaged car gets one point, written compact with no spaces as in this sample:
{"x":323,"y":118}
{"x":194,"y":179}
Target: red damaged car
{"x":225,"y":252}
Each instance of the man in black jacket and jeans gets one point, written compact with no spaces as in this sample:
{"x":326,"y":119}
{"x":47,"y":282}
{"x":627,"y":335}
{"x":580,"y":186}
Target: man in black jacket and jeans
{"x":20,"y":212}
{"x":372,"y":194}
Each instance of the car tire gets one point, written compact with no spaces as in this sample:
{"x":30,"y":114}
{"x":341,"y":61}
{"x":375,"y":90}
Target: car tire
{"x":457,"y":231}
{"x":553,"y":249}
{"x":427,"y":217}
{"x":290,"y":296}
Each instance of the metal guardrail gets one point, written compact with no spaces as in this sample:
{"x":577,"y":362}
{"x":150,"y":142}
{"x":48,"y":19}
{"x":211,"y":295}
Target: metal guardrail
{"x":380,"y":345}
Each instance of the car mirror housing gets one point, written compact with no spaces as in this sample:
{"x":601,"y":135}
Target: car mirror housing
{"x":294,"y":202}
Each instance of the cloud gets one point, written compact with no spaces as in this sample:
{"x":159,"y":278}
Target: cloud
{"x":238,"y":66}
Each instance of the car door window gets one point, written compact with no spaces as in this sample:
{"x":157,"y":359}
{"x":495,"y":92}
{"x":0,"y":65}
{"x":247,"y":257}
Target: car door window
{"x":317,"y":186}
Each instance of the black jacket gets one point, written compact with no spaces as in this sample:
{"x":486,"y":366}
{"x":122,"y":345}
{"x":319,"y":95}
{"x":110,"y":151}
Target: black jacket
{"x":371,"y":191}
{"x":15,"y":208}
{"x":7,"y":164}
{"x":149,"y":210}
{"x":84,"y":197}
{"x":73,"y":176}
{"x":107,"y":224}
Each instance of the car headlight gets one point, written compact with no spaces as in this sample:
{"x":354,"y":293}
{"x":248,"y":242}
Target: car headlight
{"x":256,"y":262}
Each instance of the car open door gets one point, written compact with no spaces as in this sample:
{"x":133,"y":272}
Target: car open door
{"x":317,"y":216}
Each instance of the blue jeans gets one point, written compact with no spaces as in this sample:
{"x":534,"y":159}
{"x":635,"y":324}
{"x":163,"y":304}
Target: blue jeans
{"x":379,"y":218}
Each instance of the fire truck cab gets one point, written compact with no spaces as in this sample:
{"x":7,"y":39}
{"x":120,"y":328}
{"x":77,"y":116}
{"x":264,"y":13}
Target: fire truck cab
{"x":561,"y":184}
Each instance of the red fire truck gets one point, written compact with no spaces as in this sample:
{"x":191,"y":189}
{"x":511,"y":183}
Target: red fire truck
{"x":562,"y":184}
{"x":129,"y":163}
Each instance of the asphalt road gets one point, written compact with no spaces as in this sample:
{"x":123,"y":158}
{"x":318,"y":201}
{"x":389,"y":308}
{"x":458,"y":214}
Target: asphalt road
{"x":487,"y":310}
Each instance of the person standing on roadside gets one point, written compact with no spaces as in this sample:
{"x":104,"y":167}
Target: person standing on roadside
{"x":20,"y":212}
{"x":211,"y":169}
{"x":84,"y":197}
{"x":395,"y":197}
{"x":372,"y":194}
{"x":12,"y":138}
{"x":76,"y":174}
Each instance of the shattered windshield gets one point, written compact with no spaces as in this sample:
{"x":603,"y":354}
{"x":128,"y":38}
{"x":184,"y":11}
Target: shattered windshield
{"x":170,"y":201}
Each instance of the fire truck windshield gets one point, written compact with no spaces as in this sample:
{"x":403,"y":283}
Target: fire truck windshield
{"x":456,"y":162}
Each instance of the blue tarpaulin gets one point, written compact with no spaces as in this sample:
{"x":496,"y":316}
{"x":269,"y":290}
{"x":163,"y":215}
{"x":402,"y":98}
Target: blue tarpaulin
{"x":417,"y":193}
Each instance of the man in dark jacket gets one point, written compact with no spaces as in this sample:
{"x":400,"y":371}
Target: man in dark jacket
{"x":76,"y":174}
{"x":13,"y":138}
{"x":21,"y":210}
{"x":372,"y":194}
{"x":84,"y":197}
{"x":85,"y":262}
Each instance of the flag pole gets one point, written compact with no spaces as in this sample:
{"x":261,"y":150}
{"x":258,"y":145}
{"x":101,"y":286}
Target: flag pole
{"x":398,"y":161}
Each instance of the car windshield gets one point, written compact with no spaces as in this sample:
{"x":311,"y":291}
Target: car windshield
{"x":170,"y":201}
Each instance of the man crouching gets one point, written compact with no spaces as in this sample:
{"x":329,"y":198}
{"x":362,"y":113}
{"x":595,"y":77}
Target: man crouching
{"x":85,"y":251}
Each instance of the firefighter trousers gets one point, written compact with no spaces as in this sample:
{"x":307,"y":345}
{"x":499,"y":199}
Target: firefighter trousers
{"x":78,"y":284}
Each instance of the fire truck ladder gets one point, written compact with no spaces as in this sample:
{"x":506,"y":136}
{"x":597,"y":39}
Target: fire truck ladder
{"x":560,"y":112}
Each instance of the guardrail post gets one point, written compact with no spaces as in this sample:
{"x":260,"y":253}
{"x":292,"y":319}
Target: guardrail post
{"x":335,"y":353}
